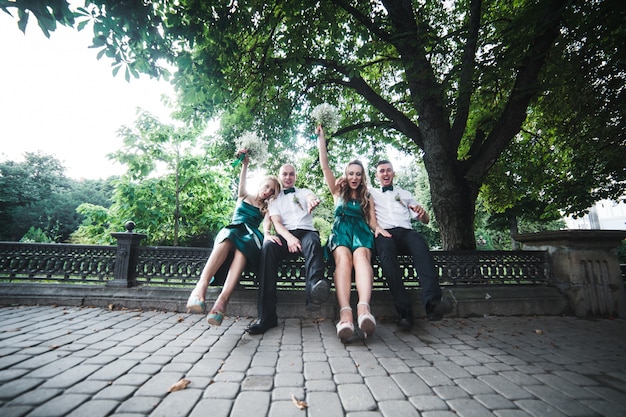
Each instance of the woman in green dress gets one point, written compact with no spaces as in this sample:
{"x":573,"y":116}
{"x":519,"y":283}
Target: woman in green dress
{"x":236,"y":247}
{"x":351,"y":241}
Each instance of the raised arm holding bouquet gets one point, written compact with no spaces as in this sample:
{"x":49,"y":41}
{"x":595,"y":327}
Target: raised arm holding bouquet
{"x":250,"y":144}
{"x":351,"y":241}
{"x":236,"y":247}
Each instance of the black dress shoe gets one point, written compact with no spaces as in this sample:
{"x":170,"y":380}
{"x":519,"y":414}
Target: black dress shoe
{"x":261,"y":326}
{"x":405,"y":321}
{"x":320,"y":292}
{"x":438,"y":308}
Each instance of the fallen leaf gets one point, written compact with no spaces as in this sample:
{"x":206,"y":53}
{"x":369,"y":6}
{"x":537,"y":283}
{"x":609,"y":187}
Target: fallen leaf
{"x":111,"y":306}
{"x":54,"y":346}
{"x":538,"y":331}
{"x":299,"y":403}
{"x":181,"y":319}
{"x":182,"y":384}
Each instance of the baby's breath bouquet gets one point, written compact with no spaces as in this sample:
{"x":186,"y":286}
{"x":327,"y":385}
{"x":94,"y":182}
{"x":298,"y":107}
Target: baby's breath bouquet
{"x":326,"y":115}
{"x":254,"y":146}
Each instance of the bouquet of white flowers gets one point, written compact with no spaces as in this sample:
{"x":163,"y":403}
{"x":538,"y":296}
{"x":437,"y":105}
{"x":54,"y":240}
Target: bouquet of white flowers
{"x":326,"y":115}
{"x":254,"y":146}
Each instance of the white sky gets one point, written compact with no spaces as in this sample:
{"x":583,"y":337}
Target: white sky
{"x":56,"y":97}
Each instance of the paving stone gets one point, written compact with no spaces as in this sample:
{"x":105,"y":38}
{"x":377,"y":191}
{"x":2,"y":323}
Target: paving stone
{"x":398,"y":408}
{"x":494,"y":401}
{"x":94,"y":408}
{"x":562,"y":402}
{"x":505,"y":387}
{"x":159,"y":384}
{"x":178,"y":403}
{"x":15,"y":388}
{"x":225,"y":390}
{"x":539,"y":408}
{"x":35,"y":398}
{"x":324,"y":404}
{"x":257,"y":383}
{"x":59,"y":406}
{"x":356,"y":397}
{"x":468,"y":407}
{"x":433,"y":376}
{"x":317,"y":385}
{"x":113,"y":370}
{"x":289,"y":380}
{"x":317,"y":370}
{"x":15,"y":410}
{"x":383,"y":388}
{"x":428,"y":403}
{"x":212,"y":407}
{"x":87,"y":387}
{"x":251,"y":404}
{"x":116,"y":392}
{"x":285,"y":409}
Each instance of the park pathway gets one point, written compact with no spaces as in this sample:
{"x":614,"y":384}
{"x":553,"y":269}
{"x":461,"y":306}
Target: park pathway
{"x":93,"y":362}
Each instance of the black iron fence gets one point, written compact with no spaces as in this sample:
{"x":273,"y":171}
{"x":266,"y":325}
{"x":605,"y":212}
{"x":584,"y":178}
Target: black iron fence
{"x":129,"y":264}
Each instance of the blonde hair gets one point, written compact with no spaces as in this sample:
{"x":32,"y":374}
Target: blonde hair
{"x":362,"y":190}
{"x":276,"y":187}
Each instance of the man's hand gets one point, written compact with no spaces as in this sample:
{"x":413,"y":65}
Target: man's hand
{"x":273,"y":238}
{"x":422,"y":215}
{"x":312,"y":203}
{"x":294,"y":245}
{"x":380,"y":231}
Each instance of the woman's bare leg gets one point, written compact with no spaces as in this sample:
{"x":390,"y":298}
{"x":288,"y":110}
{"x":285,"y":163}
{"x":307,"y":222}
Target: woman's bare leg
{"x":364,"y":278}
{"x":213,"y":264}
{"x":343,"y":280}
{"x":232,"y":280}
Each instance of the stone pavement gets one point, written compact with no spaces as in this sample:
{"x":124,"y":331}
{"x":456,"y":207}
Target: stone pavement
{"x":70,"y":361}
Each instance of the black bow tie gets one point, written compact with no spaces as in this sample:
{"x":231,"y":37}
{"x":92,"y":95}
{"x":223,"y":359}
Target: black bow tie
{"x":289,"y":190}
{"x":388,"y":188}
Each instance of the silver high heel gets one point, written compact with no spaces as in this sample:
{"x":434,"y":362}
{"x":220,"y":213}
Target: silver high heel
{"x":367,"y":322}
{"x":345,"y":329}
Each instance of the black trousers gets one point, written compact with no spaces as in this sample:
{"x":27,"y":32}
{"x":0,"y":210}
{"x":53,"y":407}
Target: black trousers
{"x":407,"y":242}
{"x":272,"y":256}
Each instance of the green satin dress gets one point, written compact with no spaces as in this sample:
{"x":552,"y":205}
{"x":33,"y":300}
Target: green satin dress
{"x":243,"y":231}
{"x":350,"y":228}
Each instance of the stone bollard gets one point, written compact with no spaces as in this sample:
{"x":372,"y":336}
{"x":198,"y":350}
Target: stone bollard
{"x":585,"y":267}
{"x":125,"y":274}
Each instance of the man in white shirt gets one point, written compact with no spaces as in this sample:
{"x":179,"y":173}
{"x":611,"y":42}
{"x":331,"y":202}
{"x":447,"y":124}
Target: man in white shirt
{"x":395,"y":208}
{"x":295,"y":236}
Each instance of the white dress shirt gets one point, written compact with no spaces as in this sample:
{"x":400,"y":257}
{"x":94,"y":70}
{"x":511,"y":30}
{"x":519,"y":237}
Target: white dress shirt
{"x":392,"y":207}
{"x":292,"y":209}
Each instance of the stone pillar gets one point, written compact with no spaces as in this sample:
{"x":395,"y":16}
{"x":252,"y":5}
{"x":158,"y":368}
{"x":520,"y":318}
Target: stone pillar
{"x":125,"y":274}
{"x":585,"y":267}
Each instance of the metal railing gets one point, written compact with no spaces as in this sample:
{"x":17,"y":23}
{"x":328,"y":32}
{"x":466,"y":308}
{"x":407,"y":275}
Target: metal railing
{"x":178,"y":266}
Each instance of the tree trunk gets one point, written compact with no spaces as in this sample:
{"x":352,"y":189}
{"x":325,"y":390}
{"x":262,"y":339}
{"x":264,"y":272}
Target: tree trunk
{"x":454,"y":204}
{"x":513,"y":229}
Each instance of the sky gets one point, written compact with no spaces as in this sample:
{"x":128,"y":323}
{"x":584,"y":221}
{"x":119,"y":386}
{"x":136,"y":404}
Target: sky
{"x":56,"y":97}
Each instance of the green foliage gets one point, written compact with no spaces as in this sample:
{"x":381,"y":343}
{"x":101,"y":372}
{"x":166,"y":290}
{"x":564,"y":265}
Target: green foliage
{"x":96,"y":226}
{"x":47,"y":13}
{"x":24,"y":186}
{"x":453,"y":81}
{"x":36,"y":235}
{"x":172,"y":190}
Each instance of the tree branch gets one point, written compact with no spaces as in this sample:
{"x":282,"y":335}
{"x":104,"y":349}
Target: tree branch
{"x":467,"y":75}
{"x":526,"y":86}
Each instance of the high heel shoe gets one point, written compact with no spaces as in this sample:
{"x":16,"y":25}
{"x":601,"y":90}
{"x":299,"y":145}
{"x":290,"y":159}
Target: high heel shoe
{"x":195,"y":305}
{"x":215,"y":318}
{"x":367,"y":322}
{"x":345,"y":329}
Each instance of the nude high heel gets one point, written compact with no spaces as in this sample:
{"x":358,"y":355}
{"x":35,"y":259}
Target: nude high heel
{"x":345,"y":329}
{"x":367,"y":322}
